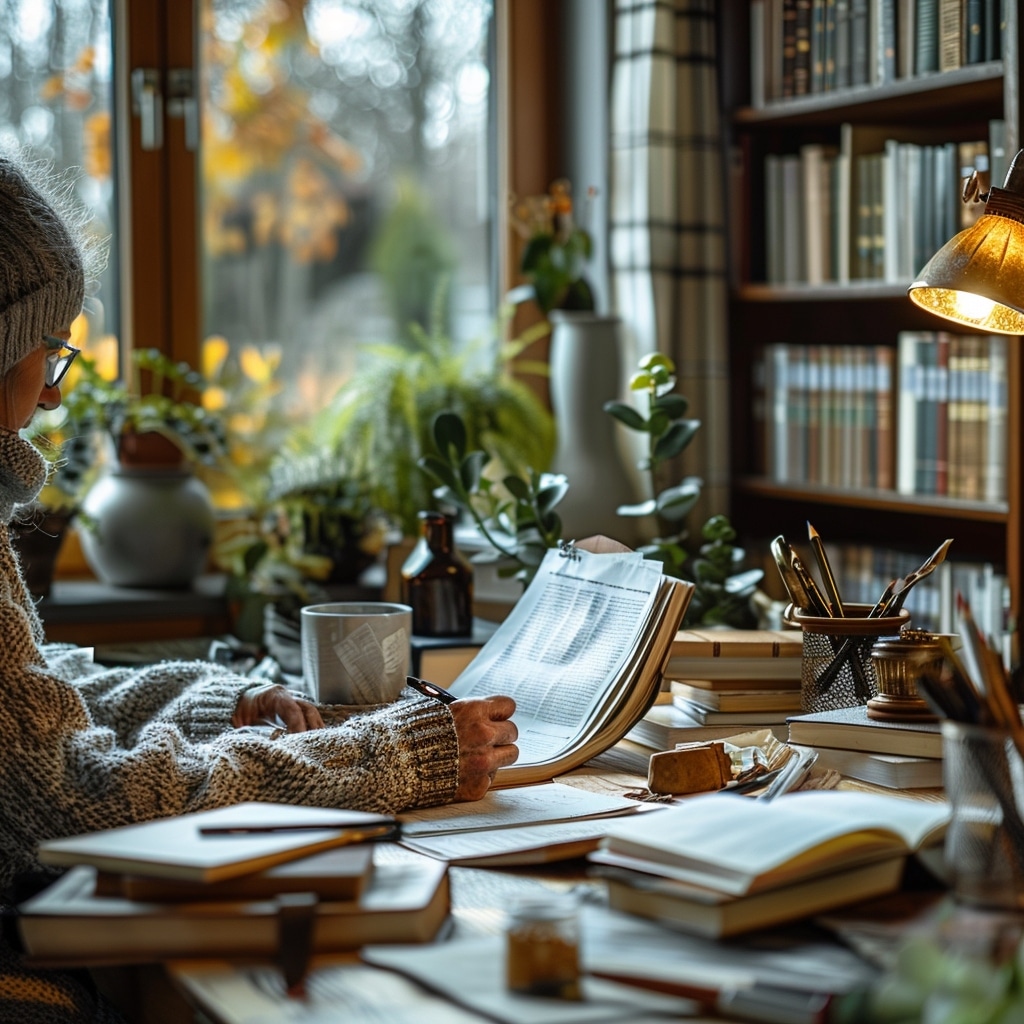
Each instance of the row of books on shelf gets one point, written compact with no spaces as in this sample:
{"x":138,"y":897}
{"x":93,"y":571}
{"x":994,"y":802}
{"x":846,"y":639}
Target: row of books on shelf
{"x":952,"y":415}
{"x":863,"y":570}
{"x":805,"y":47}
{"x":875,"y":207}
{"x":926,"y":418}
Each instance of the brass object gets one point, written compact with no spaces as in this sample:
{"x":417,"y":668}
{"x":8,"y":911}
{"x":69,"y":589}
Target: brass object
{"x":898,"y":661}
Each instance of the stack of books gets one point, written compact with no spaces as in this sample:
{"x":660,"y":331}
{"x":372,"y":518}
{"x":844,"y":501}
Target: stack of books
{"x":721,"y":865}
{"x":897,"y":755}
{"x":219,"y":883}
{"x":724,"y":682}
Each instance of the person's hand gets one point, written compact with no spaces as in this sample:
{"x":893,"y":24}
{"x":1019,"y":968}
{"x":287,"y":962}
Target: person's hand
{"x":273,"y":704}
{"x":486,"y":742}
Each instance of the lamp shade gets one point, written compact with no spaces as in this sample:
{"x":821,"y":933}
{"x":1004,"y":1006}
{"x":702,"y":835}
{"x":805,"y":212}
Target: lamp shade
{"x":977,"y":277}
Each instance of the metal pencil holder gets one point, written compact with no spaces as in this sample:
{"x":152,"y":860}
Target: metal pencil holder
{"x":836,"y":671}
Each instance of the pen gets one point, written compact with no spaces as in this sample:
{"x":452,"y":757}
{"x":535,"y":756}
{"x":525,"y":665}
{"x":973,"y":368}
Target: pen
{"x":827,"y":576}
{"x":431,"y":690}
{"x":360,"y":831}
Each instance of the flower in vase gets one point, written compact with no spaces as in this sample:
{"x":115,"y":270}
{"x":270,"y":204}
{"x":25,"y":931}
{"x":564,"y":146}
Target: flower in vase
{"x":557,"y":248}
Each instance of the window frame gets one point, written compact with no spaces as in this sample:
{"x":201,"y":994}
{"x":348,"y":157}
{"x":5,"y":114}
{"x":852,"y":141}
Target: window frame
{"x":160,"y":285}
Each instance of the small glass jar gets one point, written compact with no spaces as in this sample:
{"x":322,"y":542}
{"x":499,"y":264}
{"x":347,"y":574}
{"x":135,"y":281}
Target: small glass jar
{"x":543,"y":947}
{"x":438,"y":582}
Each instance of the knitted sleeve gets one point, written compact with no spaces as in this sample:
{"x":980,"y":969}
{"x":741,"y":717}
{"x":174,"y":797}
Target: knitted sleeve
{"x":196,"y":696}
{"x":65,"y":773}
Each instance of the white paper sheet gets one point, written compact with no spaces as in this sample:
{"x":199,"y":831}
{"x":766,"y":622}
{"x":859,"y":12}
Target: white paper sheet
{"x":566,"y":639}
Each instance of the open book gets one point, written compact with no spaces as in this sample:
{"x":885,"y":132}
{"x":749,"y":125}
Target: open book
{"x":226,"y":842}
{"x":582,"y":653}
{"x":737,"y":846}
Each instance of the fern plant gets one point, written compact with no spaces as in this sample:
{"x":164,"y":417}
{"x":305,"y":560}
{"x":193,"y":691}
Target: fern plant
{"x":380,"y":421}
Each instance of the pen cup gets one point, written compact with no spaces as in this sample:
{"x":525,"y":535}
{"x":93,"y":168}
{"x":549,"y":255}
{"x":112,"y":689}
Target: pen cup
{"x":836,"y":671}
{"x":983,"y":774}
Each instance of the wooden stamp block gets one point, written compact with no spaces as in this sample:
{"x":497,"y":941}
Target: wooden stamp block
{"x":690,"y":768}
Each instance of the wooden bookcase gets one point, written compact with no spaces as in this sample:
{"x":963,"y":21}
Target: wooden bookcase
{"x":958,"y":103}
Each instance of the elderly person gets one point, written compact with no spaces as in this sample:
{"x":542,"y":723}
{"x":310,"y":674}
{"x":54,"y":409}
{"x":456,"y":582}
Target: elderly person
{"x":86,"y":748}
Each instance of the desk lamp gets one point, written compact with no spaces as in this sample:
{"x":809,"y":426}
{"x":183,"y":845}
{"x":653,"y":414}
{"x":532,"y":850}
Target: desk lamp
{"x":977,"y":277}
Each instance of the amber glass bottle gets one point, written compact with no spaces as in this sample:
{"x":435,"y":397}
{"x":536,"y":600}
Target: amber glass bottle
{"x":438,"y":582}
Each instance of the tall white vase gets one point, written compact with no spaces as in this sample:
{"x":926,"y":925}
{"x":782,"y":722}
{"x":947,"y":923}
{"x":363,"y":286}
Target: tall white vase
{"x":586,"y":372}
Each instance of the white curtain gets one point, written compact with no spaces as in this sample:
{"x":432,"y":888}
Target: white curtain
{"x":668,"y":229}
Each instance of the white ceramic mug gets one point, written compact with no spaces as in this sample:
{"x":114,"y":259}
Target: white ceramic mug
{"x":356,"y":652}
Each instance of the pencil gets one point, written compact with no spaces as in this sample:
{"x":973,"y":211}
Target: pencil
{"x":827,"y":577}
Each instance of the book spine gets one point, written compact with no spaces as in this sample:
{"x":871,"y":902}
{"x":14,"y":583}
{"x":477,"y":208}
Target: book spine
{"x":906,"y":468}
{"x":885,"y":440}
{"x":885,"y":41}
{"x":843,"y":78}
{"x":802,"y":62}
{"x":905,"y":38}
{"x":789,"y":48}
{"x":926,"y":50}
{"x":995,"y":478}
{"x":950,"y":35}
{"x":817,"y":46}
{"x":974,"y":31}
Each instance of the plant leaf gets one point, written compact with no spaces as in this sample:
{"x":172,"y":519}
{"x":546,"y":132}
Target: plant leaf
{"x":675,"y":439}
{"x":626,"y":414}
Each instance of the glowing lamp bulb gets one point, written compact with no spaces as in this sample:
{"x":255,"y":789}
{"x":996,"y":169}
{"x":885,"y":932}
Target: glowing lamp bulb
{"x":973,"y":307}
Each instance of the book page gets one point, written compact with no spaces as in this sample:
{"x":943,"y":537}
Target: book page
{"x":501,"y":842}
{"x":737,"y":845}
{"x":502,"y":808}
{"x":565,"y":641}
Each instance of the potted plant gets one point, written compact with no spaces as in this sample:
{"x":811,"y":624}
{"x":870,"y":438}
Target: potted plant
{"x":146,"y":518}
{"x":380,"y":421}
{"x":313,"y":528}
{"x":585,"y":358}
{"x":722,"y":591}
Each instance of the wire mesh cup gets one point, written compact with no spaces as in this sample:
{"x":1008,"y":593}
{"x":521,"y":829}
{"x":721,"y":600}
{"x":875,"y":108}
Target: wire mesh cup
{"x":836,"y":671}
{"x":983,"y":775}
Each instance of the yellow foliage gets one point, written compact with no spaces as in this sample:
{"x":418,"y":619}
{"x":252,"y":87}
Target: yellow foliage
{"x":213,"y":354}
{"x":259,"y":366}
{"x":97,"y":155}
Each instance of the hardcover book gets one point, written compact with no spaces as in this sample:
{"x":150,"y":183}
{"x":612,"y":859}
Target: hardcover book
{"x":406,"y":901}
{"x":737,"y":846}
{"x":851,"y":729}
{"x":338,"y":874}
{"x":246,"y":837}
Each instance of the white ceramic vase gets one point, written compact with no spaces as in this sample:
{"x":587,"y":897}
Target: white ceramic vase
{"x":586,"y":372}
{"x":147,"y":527}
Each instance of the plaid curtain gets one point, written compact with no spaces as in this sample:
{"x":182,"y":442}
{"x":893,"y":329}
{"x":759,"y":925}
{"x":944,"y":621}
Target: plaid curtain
{"x":667,"y":213}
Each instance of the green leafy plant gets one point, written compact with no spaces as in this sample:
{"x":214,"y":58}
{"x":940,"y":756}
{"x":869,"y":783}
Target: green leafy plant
{"x":721,"y":592}
{"x":95,"y":407}
{"x":557,"y":249}
{"x":515,"y":514}
{"x":380,"y":421}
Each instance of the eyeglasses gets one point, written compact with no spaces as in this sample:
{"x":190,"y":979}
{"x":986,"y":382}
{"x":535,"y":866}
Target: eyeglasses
{"x":58,"y":361}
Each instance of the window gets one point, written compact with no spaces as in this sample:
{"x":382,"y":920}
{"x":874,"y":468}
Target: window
{"x":329,"y":130}
{"x":345,"y":193}
{"x":56,"y":104}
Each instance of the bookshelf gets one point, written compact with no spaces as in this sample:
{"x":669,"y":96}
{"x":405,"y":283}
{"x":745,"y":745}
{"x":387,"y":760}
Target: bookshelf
{"x":846,"y":311}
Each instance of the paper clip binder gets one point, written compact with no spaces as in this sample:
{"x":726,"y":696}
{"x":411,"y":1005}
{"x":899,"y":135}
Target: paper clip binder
{"x":568,"y":549}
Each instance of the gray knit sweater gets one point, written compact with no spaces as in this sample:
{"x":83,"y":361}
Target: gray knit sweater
{"x":85,"y":748}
